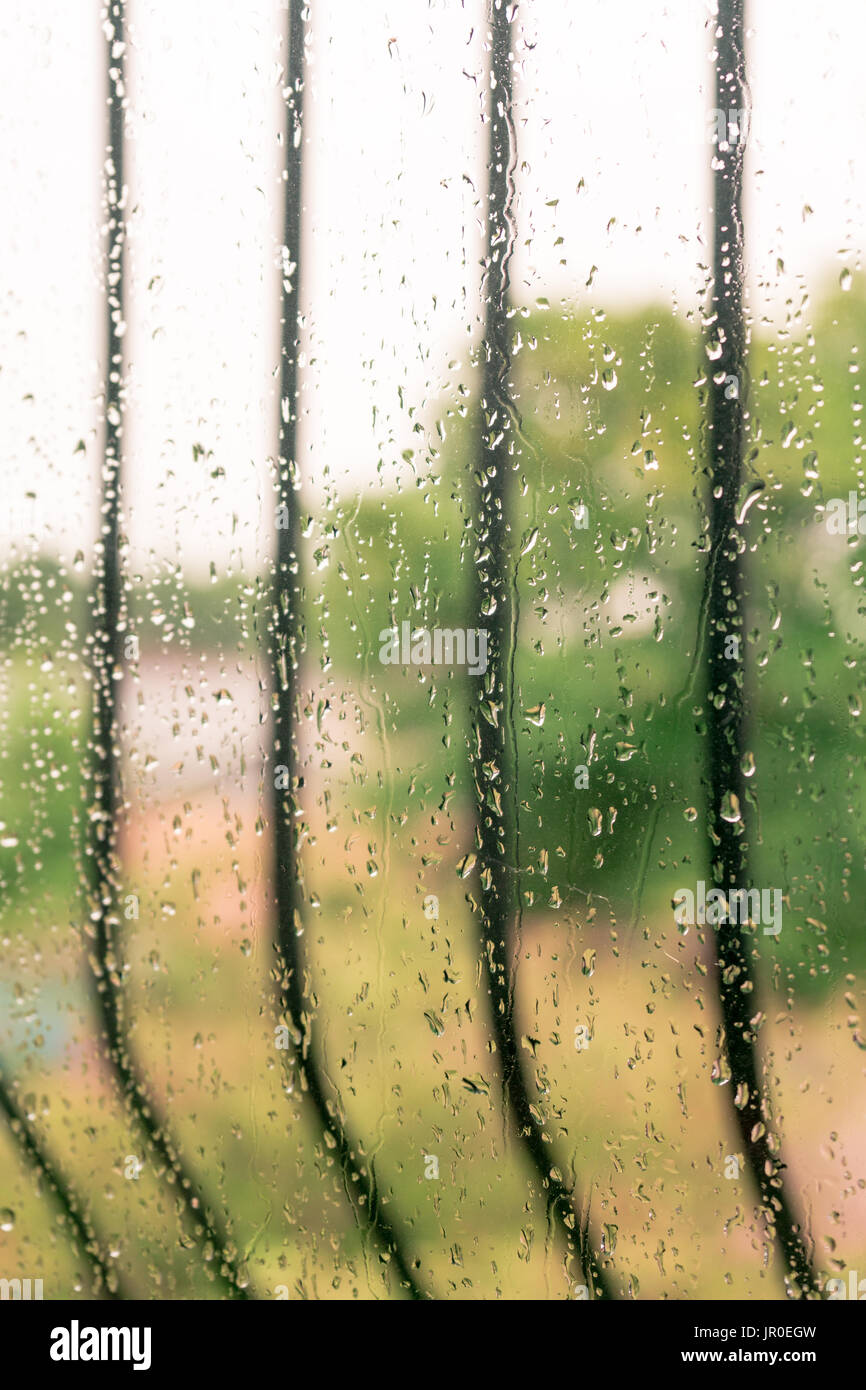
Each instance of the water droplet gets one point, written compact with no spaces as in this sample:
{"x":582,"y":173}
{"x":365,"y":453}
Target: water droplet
{"x":477,"y":1083}
{"x":528,"y":541}
{"x":751,"y":497}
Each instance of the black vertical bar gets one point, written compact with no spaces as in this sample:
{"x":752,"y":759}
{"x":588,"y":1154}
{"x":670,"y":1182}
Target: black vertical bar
{"x":105,"y":644}
{"x":287,"y":640}
{"x":726,"y":667}
{"x":493,"y":747}
{"x":80,"y":1230}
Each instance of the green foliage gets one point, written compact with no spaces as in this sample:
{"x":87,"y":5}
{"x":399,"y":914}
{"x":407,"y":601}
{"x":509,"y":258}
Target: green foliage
{"x":608,"y":627}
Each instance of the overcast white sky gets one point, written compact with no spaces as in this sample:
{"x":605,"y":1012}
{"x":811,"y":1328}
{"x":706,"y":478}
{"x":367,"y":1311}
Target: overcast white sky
{"x":611,"y":94}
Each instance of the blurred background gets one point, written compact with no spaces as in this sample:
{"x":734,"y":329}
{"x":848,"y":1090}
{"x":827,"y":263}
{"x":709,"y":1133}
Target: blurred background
{"x":608,"y":286}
